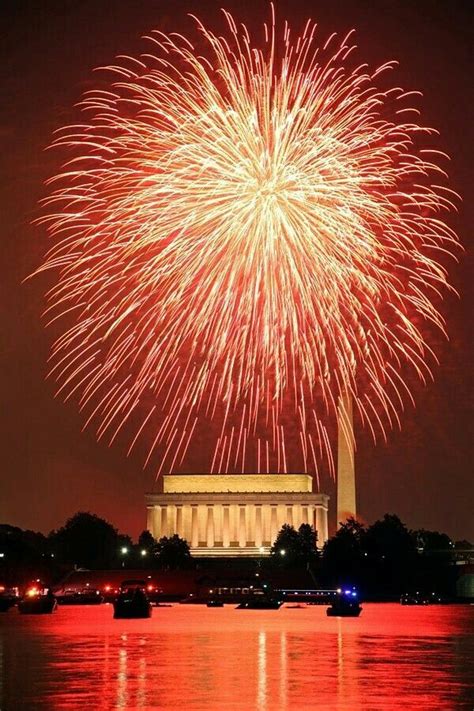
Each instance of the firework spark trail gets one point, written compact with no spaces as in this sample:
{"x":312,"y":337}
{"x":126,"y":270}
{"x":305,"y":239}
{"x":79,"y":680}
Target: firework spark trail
{"x":244,"y":235}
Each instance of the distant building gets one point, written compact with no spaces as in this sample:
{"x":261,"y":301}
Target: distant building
{"x":235,"y":514}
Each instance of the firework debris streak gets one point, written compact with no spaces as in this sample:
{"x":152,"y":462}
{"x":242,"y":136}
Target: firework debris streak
{"x":241,"y":235}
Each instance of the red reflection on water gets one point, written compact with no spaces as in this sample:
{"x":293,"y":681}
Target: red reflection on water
{"x":190,"y":657}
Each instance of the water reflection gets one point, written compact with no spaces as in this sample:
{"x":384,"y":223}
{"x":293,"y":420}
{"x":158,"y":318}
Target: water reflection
{"x":283,"y":671}
{"x":122,"y":677}
{"x":200,"y":658}
{"x":262,"y":670}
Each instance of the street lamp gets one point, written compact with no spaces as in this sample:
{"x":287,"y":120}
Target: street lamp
{"x":143,"y":553}
{"x":123,"y":551}
{"x":282,"y":551}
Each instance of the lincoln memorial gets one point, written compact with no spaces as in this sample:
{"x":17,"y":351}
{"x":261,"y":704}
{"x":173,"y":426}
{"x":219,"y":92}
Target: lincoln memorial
{"x":235,"y":514}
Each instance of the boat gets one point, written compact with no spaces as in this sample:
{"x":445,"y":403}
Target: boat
{"x":132,"y":601}
{"x":418,"y":598}
{"x":214,"y":603}
{"x":260,"y":602}
{"x":8,"y":598}
{"x":86,"y":596}
{"x":37,"y":600}
{"x":346,"y":609}
{"x":413,"y":599}
{"x":345,"y":605}
{"x":6,"y":604}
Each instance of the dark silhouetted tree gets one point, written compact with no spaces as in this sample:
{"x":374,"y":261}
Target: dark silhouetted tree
{"x":435,"y":569}
{"x":25,"y":555}
{"x":286,"y":549}
{"x":146,"y":541}
{"x":343,"y":555}
{"x":145,"y":550}
{"x":87,"y":541}
{"x":309,"y":542}
{"x":391,"y":556}
{"x":173,"y":553}
{"x":293,"y":547}
{"x":431,"y":541}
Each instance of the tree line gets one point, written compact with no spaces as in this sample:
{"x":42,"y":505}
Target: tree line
{"x":381,"y":560}
{"x":87,"y":541}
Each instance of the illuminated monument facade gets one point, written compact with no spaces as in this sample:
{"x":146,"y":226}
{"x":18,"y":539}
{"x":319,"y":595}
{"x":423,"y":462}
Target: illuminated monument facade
{"x":241,"y":514}
{"x":235,"y":514}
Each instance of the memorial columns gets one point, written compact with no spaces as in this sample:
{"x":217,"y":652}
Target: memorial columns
{"x":164,"y":521}
{"x":194,"y":527}
{"x":258,"y":526}
{"x":179,"y":521}
{"x":321,"y":525}
{"x":171,"y":520}
{"x":323,"y":517}
{"x":226,"y":526}
{"x":156,"y":524}
{"x":273,"y":525}
{"x":210,"y":527}
{"x":242,"y":531}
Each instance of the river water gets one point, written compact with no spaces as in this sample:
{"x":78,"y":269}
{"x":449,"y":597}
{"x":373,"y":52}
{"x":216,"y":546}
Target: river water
{"x":194,"y":657}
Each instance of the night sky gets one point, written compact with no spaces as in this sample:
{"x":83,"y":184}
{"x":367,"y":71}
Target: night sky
{"x":50,"y":468}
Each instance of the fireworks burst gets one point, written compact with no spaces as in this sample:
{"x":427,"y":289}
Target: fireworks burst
{"x":242,"y":235}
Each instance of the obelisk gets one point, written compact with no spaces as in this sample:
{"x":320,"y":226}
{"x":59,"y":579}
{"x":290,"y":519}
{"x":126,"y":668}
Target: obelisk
{"x":346,"y":495}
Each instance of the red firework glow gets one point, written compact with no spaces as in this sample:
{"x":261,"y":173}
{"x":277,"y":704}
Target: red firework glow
{"x":241,"y":238}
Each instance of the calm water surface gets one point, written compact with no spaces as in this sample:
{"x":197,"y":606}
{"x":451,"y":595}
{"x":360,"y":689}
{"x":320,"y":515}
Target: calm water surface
{"x":193,"y":657}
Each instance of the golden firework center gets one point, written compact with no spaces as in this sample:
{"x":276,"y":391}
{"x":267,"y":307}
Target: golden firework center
{"x":235,"y":514}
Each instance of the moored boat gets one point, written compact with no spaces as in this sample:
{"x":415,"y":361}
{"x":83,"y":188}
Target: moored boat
{"x":132,"y":601}
{"x":86,"y":596}
{"x":214,"y":603}
{"x":260,"y":602}
{"x":8,"y":598}
{"x":345,"y":605}
{"x":37,"y":600}
{"x":419,"y":598}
